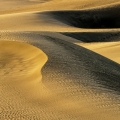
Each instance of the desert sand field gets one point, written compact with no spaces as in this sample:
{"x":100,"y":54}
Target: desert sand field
{"x":59,"y":60}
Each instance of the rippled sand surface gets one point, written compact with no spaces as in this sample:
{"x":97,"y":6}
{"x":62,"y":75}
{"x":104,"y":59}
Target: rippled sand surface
{"x":59,"y":60}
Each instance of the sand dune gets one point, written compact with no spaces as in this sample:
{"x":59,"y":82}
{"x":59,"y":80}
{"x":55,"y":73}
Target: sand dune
{"x":31,"y":22}
{"x":46,"y":72}
{"x":74,"y":86}
{"x":63,"y":20}
{"x":95,"y":36}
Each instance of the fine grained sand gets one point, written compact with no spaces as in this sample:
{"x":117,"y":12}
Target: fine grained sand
{"x":46,"y":72}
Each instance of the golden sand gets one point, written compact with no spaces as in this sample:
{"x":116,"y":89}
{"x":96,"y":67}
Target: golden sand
{"x":48,"y":75}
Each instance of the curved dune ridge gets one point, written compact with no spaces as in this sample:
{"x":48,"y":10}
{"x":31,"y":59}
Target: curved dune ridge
{"x":65,"y":20}
{"x":20,"y":66}
{"x":59,"y":60}
{"x":73,"y":86}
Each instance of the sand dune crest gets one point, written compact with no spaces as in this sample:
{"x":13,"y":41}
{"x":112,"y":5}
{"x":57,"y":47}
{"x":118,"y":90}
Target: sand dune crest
{"x":21,"y":64}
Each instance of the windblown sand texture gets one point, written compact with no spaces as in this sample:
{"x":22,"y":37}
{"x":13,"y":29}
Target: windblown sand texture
{"x":59,"y":59}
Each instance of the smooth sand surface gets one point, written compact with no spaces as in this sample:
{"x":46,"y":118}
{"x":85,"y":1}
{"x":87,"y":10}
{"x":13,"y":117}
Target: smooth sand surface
{"x":46,"y":72}
{"x":53,"y":5}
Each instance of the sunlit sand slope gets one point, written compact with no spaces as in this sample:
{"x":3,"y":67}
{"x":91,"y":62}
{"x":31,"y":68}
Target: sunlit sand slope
{"x":15,"y":6}
{"x":63,"y":20}
{"x":18,"y":4}
{"x":107,"y":49}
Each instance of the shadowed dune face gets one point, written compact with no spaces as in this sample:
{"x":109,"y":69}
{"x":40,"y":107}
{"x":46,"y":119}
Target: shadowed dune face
{"x":17,"y":4}
{"x":94,"y":18}
{"x":88,"y":37}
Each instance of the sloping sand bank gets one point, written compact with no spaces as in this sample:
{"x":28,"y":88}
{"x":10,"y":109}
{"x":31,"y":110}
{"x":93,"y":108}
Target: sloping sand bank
{"x":107,"y":49}
{"x":71,"y":87}
{"x":20,"y":70}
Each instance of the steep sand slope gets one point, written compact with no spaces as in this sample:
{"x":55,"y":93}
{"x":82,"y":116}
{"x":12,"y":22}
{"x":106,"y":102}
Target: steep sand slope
{"x":103,"y":17}
{"x":73,"y":86}
{"x":20,"y":65}
{"x":43,"y":21}
{"x":100,"y":42}
{"x":96,"y":35}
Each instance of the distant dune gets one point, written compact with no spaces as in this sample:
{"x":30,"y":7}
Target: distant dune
{"x":59,"y":60}
{"x":107,"y":17}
